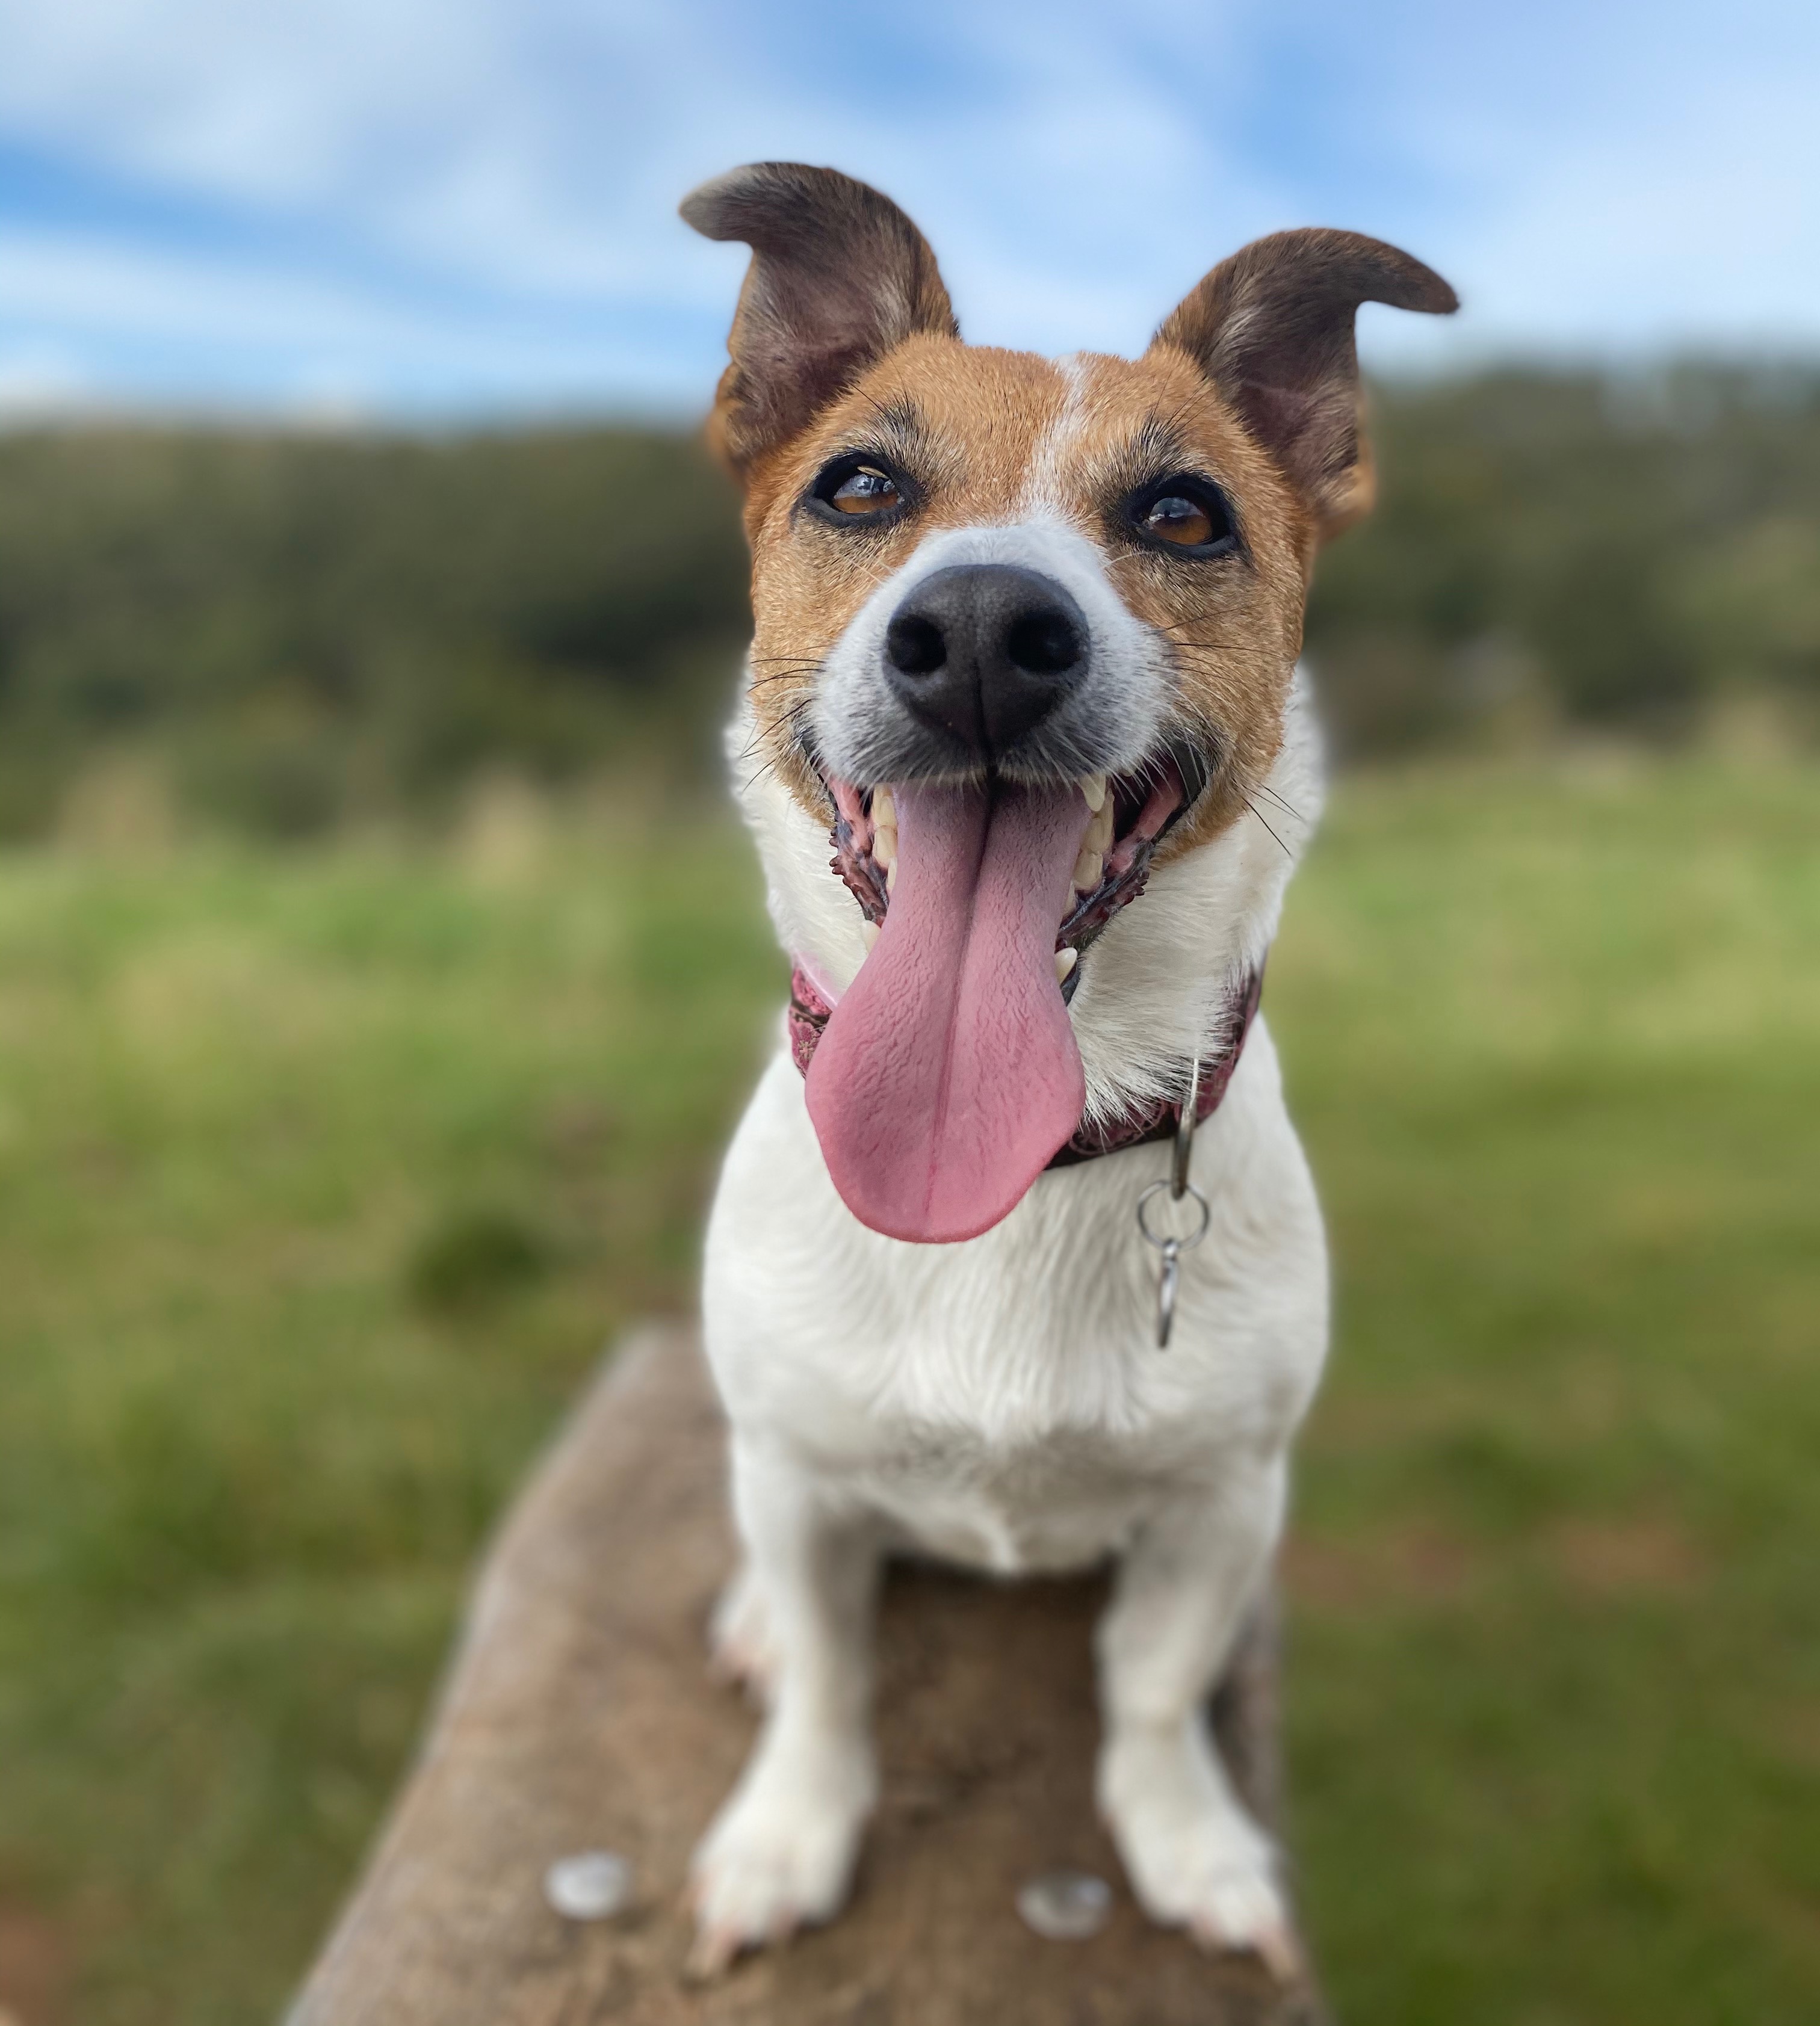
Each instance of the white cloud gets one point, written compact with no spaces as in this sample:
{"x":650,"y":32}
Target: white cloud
{"x":305,"y":340}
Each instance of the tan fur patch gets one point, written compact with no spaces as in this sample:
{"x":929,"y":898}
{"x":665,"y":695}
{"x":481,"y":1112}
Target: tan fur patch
{"x":991,"y":435}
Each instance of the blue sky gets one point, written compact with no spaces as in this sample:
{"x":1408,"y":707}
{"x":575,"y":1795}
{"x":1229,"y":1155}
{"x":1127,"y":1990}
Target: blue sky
{"x":437,"y":208}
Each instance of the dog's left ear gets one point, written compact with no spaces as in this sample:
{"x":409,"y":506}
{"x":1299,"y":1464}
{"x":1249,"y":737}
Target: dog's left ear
{"x":1272,"y":327}
{"x":838,"y":277}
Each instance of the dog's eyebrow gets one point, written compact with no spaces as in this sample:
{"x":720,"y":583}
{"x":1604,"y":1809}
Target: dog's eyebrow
{"x":897,"y":426}
{"x":1155,"y":446}
{"x":1156,"y":449}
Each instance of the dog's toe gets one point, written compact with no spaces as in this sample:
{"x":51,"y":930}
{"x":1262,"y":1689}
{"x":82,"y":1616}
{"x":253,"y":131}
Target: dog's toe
{"x":1226,"y":1900}
{"x":779,"y":1857}
{"x":1242,"y":1913}
{"x":1195,"y":1859}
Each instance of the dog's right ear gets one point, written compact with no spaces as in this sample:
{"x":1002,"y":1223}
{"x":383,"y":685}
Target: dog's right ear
{"x":838,"y":277}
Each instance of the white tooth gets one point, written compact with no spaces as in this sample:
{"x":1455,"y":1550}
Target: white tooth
{"x":891,"y":877}
{"x":1099,"y":831}
{"x":1088,"y":869}
{"x":1093,"y":787}
{"x":1065,"y":959}
{"x":885,"y":845}
{"x":869,"y":933}
{"x":884,"y":809}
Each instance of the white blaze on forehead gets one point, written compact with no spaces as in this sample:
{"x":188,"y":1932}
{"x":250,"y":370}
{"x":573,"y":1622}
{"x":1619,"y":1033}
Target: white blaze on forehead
{"x":1044,"y":496}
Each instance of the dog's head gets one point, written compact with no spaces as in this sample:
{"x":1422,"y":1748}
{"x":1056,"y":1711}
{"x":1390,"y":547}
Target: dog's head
{"x":1020,"y":626}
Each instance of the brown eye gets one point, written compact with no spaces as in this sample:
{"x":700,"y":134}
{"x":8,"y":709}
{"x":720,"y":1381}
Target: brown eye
{"x":1174,"y":519}
{"x":858,"y":487}
{"x":865,"y":491}
{"x":1186,"y":513}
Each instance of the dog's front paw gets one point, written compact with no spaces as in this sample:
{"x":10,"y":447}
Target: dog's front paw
{"x":1194,"y":1858}
{"x":779,"y":1857}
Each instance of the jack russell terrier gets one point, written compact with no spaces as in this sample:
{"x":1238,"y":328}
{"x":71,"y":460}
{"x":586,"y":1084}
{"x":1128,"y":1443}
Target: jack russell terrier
{"x":1024,"y":655}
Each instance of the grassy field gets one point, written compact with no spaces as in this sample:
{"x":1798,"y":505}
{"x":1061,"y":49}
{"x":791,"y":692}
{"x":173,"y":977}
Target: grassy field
{"x":323,"y":1178}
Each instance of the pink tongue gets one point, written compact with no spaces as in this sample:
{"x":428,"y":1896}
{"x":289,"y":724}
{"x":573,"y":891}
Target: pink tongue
{"x":948,"y":1075}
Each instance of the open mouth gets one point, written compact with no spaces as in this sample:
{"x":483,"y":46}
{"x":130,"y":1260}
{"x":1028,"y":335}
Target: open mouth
{"x":1127,"y":816}
{"x":948,"y":1075}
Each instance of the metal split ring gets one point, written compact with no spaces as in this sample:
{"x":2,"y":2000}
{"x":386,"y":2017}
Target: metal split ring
{"x":1182,"y":1241}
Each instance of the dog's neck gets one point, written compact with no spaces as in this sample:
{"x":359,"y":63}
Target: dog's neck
{"x":1157,"y":986}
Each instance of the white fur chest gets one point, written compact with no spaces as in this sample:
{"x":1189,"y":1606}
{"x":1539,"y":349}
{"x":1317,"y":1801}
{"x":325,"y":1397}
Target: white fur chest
{"x":1002,"y":1402}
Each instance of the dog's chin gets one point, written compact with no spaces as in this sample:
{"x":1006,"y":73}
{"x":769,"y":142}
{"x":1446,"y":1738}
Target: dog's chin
{"x":948,"y":1077}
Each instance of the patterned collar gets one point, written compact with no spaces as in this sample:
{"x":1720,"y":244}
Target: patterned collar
{"x":1158,"y":1120}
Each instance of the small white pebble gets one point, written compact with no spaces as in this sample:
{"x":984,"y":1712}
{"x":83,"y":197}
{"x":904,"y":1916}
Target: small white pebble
{"x":1065,"y":1905}
{"x":592,"y":1885}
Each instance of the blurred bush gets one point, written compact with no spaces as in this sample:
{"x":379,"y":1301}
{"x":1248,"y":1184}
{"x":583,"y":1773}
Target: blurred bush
{"x":474,"y":1255}
{"x":292,"y":631}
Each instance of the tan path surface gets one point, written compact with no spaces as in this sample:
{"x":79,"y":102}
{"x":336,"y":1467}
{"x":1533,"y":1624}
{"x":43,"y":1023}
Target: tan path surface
{"x":579,"y":1715}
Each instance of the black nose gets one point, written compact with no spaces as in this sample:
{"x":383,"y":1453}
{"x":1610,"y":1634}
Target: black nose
{"x":984,"y":652}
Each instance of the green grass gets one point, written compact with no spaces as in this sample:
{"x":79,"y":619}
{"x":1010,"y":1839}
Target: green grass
{"x":323,"y":1178}
{"x":1556,"y":1690}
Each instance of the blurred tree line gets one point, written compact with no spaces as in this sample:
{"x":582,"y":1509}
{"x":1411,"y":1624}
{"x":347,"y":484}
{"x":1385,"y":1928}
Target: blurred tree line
{"x":303,"y":629}
{"x":1560,"y":552}
{"x":299,"y":630}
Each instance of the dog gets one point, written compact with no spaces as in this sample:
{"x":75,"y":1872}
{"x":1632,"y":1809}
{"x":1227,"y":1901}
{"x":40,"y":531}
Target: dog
{"x":1028,"y":757}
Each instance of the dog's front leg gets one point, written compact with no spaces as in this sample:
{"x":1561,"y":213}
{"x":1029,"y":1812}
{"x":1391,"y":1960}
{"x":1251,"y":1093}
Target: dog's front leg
{"x":780,"y":1853}
{"x":1195,"y":1858}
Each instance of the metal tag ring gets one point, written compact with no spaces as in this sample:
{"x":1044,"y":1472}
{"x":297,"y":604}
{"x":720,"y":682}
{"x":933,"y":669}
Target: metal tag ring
{"x":1187,"y":1119}
{"x":1162,"y":1240}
